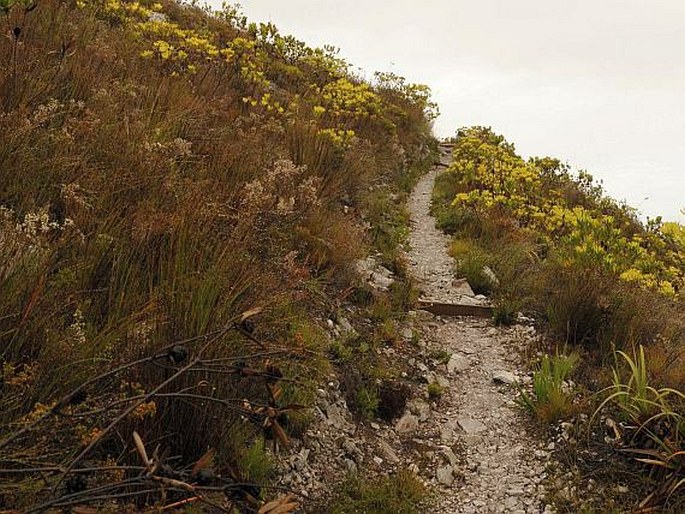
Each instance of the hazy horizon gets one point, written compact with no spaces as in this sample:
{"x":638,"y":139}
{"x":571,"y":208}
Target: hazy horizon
{"x":599,"y":86}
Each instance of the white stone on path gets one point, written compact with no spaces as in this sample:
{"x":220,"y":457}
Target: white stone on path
{"x":471,"y":426}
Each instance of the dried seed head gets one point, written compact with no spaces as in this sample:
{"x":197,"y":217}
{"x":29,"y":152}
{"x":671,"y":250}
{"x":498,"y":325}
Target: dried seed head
{"x":178,"y":354}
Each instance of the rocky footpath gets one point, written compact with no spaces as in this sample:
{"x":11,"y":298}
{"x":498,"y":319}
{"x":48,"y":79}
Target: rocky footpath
{"x":461,"y":432}
{"x":505,"y":466}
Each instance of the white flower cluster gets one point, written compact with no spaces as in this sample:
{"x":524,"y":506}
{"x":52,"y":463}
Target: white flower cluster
{"x":74,"y":193}
{"x":77,"y":329}
{"x":176,"y":148}
{"x":46,"y":111}
{"x":38,"y":223}
{"x":281,"y":190}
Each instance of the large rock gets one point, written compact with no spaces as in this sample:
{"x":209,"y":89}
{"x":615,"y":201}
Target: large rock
{"x":335,"y":415}
{"x":388,"y":452}
{"x":442,"y":381}
{"x":346,"y":327}
{"x":352,"y":450}
{"x":449,"y":455}
{"x":377,"y":276}
{"x":420,"y":409}
{"x":457,"y":364}
{"x":504,"y":377}
{"x":445,"y":475}
{"x":461,"y":286}
{"x":447,"y":430}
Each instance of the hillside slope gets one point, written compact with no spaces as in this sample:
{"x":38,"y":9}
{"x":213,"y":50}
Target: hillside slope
{"x":182,"y":196}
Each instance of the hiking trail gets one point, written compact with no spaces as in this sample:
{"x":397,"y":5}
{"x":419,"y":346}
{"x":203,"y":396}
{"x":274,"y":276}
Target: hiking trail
{"x":504,"y":465}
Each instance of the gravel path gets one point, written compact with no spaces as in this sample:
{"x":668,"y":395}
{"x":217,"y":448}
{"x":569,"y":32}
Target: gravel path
{"x":430,"y":262}
{"x":502,"y":466}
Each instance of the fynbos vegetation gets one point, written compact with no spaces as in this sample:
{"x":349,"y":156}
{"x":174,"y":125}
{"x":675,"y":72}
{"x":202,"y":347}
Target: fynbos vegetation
{"x":180,"y":191}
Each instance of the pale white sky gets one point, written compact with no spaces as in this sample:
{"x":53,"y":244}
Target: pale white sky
{"x":597,"y":83}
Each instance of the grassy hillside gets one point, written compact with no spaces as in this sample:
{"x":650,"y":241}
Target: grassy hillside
{"x":610,"y":289}
{"x":181,"y":194}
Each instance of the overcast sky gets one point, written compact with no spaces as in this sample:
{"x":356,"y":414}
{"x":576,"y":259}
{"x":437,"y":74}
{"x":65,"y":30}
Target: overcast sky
{"x":597,"y":83}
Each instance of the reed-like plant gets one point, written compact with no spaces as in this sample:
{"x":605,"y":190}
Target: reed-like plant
{"x":653,"y":426}
{"x":551,"y":398}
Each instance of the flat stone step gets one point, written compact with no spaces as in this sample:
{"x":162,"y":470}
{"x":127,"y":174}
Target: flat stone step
{"x":456,"y":309}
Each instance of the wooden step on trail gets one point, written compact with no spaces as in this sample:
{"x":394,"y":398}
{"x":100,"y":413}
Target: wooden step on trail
{"x":456,"y":309}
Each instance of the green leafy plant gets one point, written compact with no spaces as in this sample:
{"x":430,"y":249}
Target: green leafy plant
{"x":639,"y":402}
{"x":366,"y":401}
{"x":655,"y":429}
{"x":256,"y":463}
{"x":442,"y":356}
{"x":551,"y":399}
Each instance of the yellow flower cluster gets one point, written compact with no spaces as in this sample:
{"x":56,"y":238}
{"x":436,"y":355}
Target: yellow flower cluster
{"x":345,"y":98}
{"x":538,"y":195}
{"x":339,"y":137}
{"x":169,"y":41}
{"x":266,"y":66}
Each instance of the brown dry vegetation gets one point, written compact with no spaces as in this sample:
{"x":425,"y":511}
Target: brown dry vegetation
{"x":168,"y":225}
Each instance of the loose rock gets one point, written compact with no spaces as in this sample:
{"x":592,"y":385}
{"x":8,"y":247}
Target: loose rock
{"x":505,"y":377}
{"x":407,"y":424}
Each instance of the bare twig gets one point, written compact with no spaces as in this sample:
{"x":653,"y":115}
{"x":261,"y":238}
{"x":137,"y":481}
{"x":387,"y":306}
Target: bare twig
{"x":145,"y":398}
{"x":67,"y":398}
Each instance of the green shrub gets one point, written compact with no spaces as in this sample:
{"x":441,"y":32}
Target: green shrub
{"x":506,"y":310}
{"x":471,"y":267}
{"x":401,"y":493}
{"x":448,"y":219}
{"x":442,"y":356}
{"x":366,"y":401}
{"x":256,"y":463}
{"x":341,"y":351}
{"x":435,"y":390}
{"x":551,"y":401}
{"x":404,"y":295}
{"x":575,"y":302}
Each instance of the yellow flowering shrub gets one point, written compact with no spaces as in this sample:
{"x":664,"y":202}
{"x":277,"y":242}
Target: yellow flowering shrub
{"x":345,"y":98}
{"x":568,"y":212}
